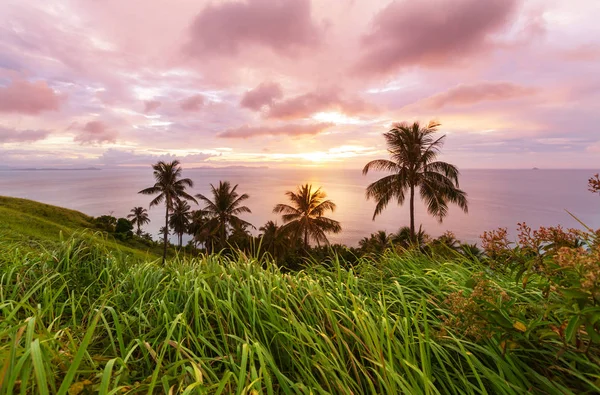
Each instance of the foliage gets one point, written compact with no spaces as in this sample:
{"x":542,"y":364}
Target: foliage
{"x":169,"y":188}
{"x":223,"y":212}
{"x":139,"y":217}
{"x":106,"y":223}
{"x":413,"y":163}
{"x":180,"y":219}
{"x":305,"y":217}
{"x":565,"y":264}
{"x":83,"y":317}
{"x":594,"y":184}
{"x":124,"y":228}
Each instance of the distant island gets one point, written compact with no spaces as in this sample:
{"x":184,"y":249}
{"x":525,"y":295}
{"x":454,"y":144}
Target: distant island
{"x":229,"y":168}
{"x":51,"y":169}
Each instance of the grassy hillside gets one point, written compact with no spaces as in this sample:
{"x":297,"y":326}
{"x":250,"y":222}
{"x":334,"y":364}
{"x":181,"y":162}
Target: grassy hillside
{"x":84,"y":319}
{"x":37,"y":225}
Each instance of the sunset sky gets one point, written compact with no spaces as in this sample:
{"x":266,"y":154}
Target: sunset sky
{"x":284,"y":83}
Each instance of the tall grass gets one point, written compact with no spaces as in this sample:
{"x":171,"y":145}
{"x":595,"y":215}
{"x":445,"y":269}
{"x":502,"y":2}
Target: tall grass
{"x":80,"y":319}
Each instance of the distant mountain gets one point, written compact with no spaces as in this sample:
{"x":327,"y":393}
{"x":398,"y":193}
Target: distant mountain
{"x":229,"y":168}
{"x":50,"y":168}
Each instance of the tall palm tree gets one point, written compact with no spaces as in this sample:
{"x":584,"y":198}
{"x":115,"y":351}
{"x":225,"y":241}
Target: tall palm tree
{"x":413,"y":161}
{"x":169,"y":187}
{"x":304,"y":218}
{"x":179,"y":220}
{"x":139,"y":217}
{"x":224,"y":209}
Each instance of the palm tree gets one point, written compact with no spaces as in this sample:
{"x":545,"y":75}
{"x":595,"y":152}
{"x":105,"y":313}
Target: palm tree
{"x":304,"y":218}
{"x":179,"y":220}
{"x":378,"y":242}
{"x":413,"y":151}
{"x":224,"y":209}
{"x":197,"y":227}
{"x":139,"y":217}
{"x":406,"y":238}
{"x":274,"y":240}
{"x":169,"y":187}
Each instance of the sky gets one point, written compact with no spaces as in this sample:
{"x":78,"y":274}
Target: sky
{"x":297,"y":83}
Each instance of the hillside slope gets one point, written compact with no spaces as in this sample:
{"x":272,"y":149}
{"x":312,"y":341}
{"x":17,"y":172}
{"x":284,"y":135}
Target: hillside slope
{"x":38,"y":224}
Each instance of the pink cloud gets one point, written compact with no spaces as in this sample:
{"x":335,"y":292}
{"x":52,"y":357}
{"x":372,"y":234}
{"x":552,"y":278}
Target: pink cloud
{"x":466,"y":94}
{"x":192,"y":103}
{"x":225,"y":28}
{"x":151,"y":105}
{"x":25,"y":97}
{"x":262,"y":95}
{"x":95,"y":132}
{"x":21,"y":136}
{"x":583,"y":53}
{"x":246,"y":131}
{"x":431,"y":33}
{"x":310,"y":103}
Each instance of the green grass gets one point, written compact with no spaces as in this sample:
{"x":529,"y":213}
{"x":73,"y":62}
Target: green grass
{"x":38,"y":224}
{"x":82,"y":316}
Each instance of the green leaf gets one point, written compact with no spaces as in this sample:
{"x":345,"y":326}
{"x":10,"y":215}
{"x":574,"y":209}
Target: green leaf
{"x":575,"y":294}
{"x":572,"y":328}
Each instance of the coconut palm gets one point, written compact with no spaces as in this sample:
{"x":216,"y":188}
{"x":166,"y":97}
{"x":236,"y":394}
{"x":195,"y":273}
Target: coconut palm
{"x":413,"y":161}
{"x":377,"y":243}
{"x":406,"y":238}
{"x":304,"y":218}
{"x":197,"y":227}
{"x":139,"y":217}
{"x":223,"y":210}
{"x":169,"y":187}
{"x":274,"y":240}
{"x":180,"y":217}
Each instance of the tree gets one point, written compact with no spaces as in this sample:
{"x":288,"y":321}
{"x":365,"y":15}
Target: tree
{"x":594,"y":184}
{"x":413,"y":152}
{"x":197,"y":227}
{"x":304,"y":218}
{"x":406,"y":238}
{"x":124,"y":228}
{"x":169,"y":187}
{"x":180,"y":217}
{"x":274,"y":240}
{"x":223,"y":210}
{"x":377,"y":243}
{"x":106,"y":222}
{"x":139,"y":217}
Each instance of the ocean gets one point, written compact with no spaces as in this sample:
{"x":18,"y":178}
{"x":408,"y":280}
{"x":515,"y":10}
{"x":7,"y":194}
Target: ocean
{"x":497,"y":198}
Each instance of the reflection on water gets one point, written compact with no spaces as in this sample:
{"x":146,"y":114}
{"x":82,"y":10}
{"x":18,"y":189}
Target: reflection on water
{"x":497,"y":198}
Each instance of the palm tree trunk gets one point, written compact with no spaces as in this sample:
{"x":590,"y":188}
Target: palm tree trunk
{"x":412,"y":212}
{"x":165,"y":235}
{"x":306,"y":239}
{"x":138,"y":230}
{"x":180,"y":239}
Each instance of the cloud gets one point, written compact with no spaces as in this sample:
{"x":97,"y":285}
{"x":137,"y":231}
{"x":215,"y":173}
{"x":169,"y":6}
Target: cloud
{"x":95,"y":132}
{"x":466,"y":94}
{"x":225,"y":28}
{"x":431,"y":33}
{"x":246,"y":131}
{"x":307,"y":104}
{"x":151,"y":105}
{"x":21,"y":136}
{"x":262,"y":95}
{"x":25,"y":97}
{"x":192,"y":103}
{"x":117,"y":157}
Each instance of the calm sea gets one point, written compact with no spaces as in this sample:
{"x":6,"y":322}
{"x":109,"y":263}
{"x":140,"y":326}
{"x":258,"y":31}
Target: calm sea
{"x":497,"y":198}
